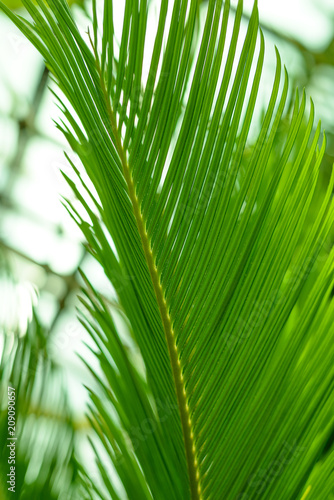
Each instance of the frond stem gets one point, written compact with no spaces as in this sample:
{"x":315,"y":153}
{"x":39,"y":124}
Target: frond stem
{"x":188,"y":435}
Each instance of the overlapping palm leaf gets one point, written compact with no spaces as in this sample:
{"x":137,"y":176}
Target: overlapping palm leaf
{"x":43,"y":458}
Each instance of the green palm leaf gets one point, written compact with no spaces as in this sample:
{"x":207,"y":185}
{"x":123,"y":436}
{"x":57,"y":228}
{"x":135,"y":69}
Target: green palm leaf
{"x":206,"y":248}
{"x":43,"y":457}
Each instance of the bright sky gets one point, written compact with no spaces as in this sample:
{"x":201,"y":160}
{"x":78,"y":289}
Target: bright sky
{"x":305,"y":19}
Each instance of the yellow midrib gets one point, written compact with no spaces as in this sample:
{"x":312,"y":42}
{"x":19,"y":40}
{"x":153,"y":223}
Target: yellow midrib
{"x":188,"y":436}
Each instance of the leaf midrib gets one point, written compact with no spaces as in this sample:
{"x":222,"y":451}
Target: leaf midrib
{"x":180,"y":389}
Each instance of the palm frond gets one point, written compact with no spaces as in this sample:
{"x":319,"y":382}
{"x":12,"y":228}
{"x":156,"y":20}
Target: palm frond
{"x":43,"y":457}
{"x":207,"y":251}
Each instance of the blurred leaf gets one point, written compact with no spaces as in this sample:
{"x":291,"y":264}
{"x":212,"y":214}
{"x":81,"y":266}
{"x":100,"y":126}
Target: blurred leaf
{"x":18,"y":4}
{"x":44,"y":461}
